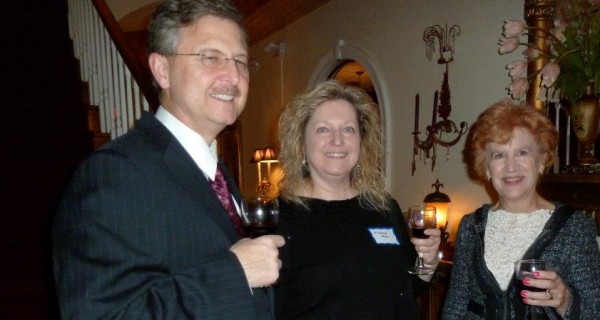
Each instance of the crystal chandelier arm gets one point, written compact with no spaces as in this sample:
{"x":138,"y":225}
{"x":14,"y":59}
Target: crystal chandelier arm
{"x":429,"y":36}
{"x":464,"y":127}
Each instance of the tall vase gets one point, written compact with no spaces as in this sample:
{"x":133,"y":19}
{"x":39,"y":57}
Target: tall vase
{"x":585,"y":119}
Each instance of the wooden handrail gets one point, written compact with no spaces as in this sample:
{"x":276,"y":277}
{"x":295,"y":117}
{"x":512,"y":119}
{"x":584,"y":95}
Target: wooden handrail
{"x":141,"y":74}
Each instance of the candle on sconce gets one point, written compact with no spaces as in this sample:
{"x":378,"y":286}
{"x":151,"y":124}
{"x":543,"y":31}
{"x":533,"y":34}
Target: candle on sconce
{"x":417,"y":113}
{"x":435,"y":103}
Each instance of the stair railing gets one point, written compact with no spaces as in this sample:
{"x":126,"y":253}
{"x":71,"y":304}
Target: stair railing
{"x":118,"y":83}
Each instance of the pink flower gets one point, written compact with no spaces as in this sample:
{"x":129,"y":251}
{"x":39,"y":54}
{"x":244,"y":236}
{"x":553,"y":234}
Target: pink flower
{"x":517,"y":68}
{"x":559,"y":31}
{"x":508,"y":45}
{"x":513,"y":28}
{"x":532,"y":53}
{"x":518,"y":88}
{"x":549,"y":73}
{"x":549,"y":94}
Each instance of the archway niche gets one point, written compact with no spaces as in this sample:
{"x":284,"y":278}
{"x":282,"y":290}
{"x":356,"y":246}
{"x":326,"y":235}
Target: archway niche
{"x":343,"y":63}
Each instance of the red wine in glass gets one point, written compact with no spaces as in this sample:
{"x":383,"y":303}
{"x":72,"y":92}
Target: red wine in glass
{"x":257,"y":230}
{"x":521,"y":286}
{"x":419,"y":233}
{"x":421,"y":218}
{"x":260,"y":216}
{"x":524,"y":269}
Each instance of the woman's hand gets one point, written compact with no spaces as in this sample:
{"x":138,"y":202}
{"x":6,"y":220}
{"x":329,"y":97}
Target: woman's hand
{"x":429,"y":246}
{"x":556,"y":294}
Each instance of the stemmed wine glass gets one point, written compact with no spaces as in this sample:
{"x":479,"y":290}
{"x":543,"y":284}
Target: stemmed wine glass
{"x":525,"y":269}
{"x":420,"y":218}
{"x":260,"y":216}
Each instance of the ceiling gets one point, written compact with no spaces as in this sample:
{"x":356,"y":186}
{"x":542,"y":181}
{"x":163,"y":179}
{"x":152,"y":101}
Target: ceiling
{"x":265,"y":17}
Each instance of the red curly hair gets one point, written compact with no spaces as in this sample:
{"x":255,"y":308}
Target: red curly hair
{"x":497,"y":124}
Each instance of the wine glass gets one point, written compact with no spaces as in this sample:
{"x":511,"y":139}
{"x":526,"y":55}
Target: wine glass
{"x":420,"y":218}
{"x":524,"y":269}
{"x":260,"y":216}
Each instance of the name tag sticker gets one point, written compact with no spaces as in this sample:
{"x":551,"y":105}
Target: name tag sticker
{"x":384,"y":236}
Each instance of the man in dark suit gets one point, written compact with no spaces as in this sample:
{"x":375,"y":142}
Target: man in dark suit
{"x":140,"y":233}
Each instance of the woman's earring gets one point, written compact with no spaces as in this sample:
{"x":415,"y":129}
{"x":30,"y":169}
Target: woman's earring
{"x":357,"y":170}
{"x":304,"y":168}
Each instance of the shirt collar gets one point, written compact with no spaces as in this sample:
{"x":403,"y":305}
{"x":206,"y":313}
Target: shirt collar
{"x":203,"y":154}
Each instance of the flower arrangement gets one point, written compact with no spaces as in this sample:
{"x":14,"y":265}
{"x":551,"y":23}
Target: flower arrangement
{"x":573,"y":52}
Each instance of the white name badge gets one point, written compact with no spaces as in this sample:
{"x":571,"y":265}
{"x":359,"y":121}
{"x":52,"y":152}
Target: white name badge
{"x":384,"y":236}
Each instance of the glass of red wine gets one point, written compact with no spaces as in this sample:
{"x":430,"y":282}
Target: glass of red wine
{"x":524,"y":269}
{"x":420,"y":218}
{"x":260,"y":216}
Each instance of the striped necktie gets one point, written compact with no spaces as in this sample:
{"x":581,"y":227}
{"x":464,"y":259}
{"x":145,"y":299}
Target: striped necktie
{"x":220,"y":187}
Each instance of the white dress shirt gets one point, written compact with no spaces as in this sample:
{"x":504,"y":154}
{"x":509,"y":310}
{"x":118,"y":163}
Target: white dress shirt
{"x":203,"y":154}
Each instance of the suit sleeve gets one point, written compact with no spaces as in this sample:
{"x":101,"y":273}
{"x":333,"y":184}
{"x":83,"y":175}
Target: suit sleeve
{"x":112,"y":254}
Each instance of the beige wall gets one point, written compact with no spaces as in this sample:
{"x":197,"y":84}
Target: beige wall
{"x":389,"y":33}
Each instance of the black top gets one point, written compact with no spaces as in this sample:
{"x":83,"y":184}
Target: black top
{"x":334,"y":268}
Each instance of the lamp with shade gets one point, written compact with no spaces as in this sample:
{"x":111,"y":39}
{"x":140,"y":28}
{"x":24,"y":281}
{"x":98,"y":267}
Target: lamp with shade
{"x":440,"y":201}
{"x":257,"y":157}
{"x":269,"y":157}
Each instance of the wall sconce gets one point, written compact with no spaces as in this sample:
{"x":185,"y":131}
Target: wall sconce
{"x":435,"y":131}
{"x":445,"y":38}
{"x":277,"y":49}
{"x":260,"y":156}
{"x":440,"y":201}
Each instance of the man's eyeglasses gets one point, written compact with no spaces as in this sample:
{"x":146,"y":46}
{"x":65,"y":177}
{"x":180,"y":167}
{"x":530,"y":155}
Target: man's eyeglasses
{"x":216,"y":60}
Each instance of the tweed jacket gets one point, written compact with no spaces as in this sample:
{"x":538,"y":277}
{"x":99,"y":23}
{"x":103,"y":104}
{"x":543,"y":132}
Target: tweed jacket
{"x":568,"y":240}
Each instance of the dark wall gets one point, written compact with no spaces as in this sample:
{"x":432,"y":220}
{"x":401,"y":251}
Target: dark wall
{"x":44,"y":137}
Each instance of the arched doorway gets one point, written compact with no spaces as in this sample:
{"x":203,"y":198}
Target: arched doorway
{"x":344,"y":62}
{"x":353,"y":73}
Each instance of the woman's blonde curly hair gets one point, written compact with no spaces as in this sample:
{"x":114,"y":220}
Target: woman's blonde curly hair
{"x":367,"y":178}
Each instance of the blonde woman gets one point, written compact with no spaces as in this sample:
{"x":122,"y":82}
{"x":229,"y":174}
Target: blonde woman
{"x":347,"y":249}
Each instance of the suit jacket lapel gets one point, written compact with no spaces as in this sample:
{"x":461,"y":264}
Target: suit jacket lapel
{"x":179,"y":163}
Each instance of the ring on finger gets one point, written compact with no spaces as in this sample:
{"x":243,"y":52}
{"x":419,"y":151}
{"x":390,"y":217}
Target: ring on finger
{"x":550,"y":294}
